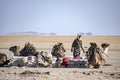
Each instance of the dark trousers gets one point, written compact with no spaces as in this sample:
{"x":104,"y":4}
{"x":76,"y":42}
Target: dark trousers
{"x":76,"y":53}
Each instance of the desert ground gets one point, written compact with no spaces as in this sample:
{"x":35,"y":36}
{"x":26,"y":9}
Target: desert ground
{"x":45,"y":43}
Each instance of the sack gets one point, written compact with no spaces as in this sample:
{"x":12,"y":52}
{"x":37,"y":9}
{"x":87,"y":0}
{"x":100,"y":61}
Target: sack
{"x":65,"y":61}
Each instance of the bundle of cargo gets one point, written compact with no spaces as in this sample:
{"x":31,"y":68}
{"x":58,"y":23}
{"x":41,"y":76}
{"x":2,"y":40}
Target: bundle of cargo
{"x":28,"y":50}
{"x":77,"y":63}
{"x":44,"y":59}
{"x":28,"y":56}
{"x":20,"y":61}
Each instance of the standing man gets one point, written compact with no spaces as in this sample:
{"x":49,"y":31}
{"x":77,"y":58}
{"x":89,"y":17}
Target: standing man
{"x":77,"y":46}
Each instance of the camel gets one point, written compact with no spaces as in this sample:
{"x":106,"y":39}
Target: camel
{"x":3,"y":60}
{"x":28,"y":50}
{"x":95,"y":58}
{"x":105,"y":47}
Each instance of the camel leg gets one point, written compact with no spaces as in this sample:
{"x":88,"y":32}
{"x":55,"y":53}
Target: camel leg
{"x":90,"y":65}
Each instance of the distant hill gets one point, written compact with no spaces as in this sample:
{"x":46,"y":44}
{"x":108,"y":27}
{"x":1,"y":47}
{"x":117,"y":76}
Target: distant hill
{"x":88,"y":33}
{"x":30,"y":33}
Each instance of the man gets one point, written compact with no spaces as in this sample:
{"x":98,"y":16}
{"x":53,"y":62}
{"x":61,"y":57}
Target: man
{"x":58,"y":51}
{"x":77,"y":46}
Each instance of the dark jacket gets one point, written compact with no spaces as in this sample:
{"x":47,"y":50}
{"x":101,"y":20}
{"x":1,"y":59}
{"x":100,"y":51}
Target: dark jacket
{"x":77,"y":44}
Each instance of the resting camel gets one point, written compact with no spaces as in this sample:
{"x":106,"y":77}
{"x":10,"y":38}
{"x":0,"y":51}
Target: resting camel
{"x":3,"y":60}
{"x":28,"y":50}
{"x":95,"y":58}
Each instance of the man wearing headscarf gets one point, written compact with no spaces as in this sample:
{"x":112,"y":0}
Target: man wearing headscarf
{"x":77,"y":46}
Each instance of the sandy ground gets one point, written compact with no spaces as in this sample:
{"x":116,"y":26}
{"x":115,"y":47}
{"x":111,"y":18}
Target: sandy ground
{"x":111,"y":72}
{"x":105,"y":73}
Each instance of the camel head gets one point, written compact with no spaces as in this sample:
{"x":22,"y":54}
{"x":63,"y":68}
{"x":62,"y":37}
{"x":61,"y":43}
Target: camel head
{"x":15,"y":49}
{"x":105,"y":48}
{"x":93,"y":45}
{"x":105,"y":45}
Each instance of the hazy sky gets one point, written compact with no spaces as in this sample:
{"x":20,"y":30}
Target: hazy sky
{"x":63,"y":17}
